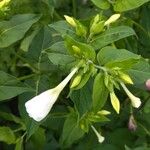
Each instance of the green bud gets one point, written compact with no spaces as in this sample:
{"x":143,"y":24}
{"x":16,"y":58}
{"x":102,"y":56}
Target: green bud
{"x":76,"y":81}
{"x":76,"y":50}
{"x":81,"y":30}
{"x":97,"y":28}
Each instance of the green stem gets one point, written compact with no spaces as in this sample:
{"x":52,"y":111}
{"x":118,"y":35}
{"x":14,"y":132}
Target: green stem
{"x":74,"y":11}
{"x":144,"y":128}
{"x":26,"y":77}
{"x":39,"y":76}
{"x":34,"y":69}
{"x":57,"y":16}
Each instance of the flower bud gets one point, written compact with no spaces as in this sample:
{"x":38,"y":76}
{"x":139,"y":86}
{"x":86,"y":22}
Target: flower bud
{"x":112,"y":19}
{"x":115,"y":102}
{"x":3,"y":3}
{"x":76,"y":50}
{"x":126,"y":78}
{"x":70,"y":20}
{"x":148,"y":84}
{"x":103,"y":112}
{"x":132,"y":126}
{"x":76,"y":81}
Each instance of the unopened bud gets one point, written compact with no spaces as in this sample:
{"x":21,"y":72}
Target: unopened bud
{"x":103,"y":112}
{"x":126,"y":78}
{"x":76,"y":50}
{"x":148,"y":84}
{"x":76,"y":81}
{"x":132,"y":126}
{"x":112,"y":19}
{"x":70,"y":20}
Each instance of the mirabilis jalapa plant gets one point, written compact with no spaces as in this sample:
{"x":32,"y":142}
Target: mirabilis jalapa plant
{"x":39,"y":106}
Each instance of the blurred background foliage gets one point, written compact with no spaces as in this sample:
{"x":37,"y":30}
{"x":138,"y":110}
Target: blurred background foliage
{"x":28,"y":29}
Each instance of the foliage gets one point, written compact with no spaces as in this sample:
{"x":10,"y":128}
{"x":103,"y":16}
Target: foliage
{"x":108,"y":40}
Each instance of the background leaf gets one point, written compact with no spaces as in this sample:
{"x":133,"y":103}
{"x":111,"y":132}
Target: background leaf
{"x":111,"y":35}
{"x":124,"y":5}
{"x":14,"y":30}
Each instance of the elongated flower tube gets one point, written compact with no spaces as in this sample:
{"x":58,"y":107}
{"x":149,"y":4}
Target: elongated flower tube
{"x":39,"y":106}
{"x":99,"y":136}
{"x":135,"y":101}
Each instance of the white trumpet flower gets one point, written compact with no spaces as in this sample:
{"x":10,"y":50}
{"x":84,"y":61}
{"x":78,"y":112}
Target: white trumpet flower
{"x":135,"y":101}
{"x":39,"y":106}
{"x":99,"y":136}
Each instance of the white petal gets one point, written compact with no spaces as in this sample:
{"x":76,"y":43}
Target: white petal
{"x":39,"y":106}
{"x":136,"y":102}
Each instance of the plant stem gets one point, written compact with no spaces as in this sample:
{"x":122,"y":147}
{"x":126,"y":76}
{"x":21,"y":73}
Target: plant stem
{"x":74,"y":11}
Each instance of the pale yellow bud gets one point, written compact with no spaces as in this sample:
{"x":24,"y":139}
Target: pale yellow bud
{"x":4,"y":2}
{"x":126,"y":78}
{"x":70,"y":20}
{"x":115,"y":102}
{"x":112,"y":19}
{"x":103,"y":112}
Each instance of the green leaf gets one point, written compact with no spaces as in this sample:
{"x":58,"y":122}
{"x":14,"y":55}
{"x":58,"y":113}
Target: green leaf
{"x":103,"y":4}
{"x":11,"y":117}
{"x":82,"y":98}
{"x":10,"y":86}
{"x":25,"y":44}
{"x":14,"y":29}
{"x":86,"y":51}
{"x":57,"y":54}
{"x":39,"y":139}
{"x":125,"y":5}
{"x":112,"y":57}
{"x":7,"y":135}
{"x":62,"y":27}
{"x":19,"y":144}
{"x":71,"y":131}
{"x":147,"y":106}
{"x":111,"y":35}
{"x":140,"y":73}
{"x":41,"y":42}
{"x":100,"y":92}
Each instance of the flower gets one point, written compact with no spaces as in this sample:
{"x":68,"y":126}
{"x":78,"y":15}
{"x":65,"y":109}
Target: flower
{"x":39,"y":106}
{"x":135,"y":101}
{"x":148,"y":84}
{"x":112,"y":19}
{"x":132,"y":124}
{"x":99,"y":136}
